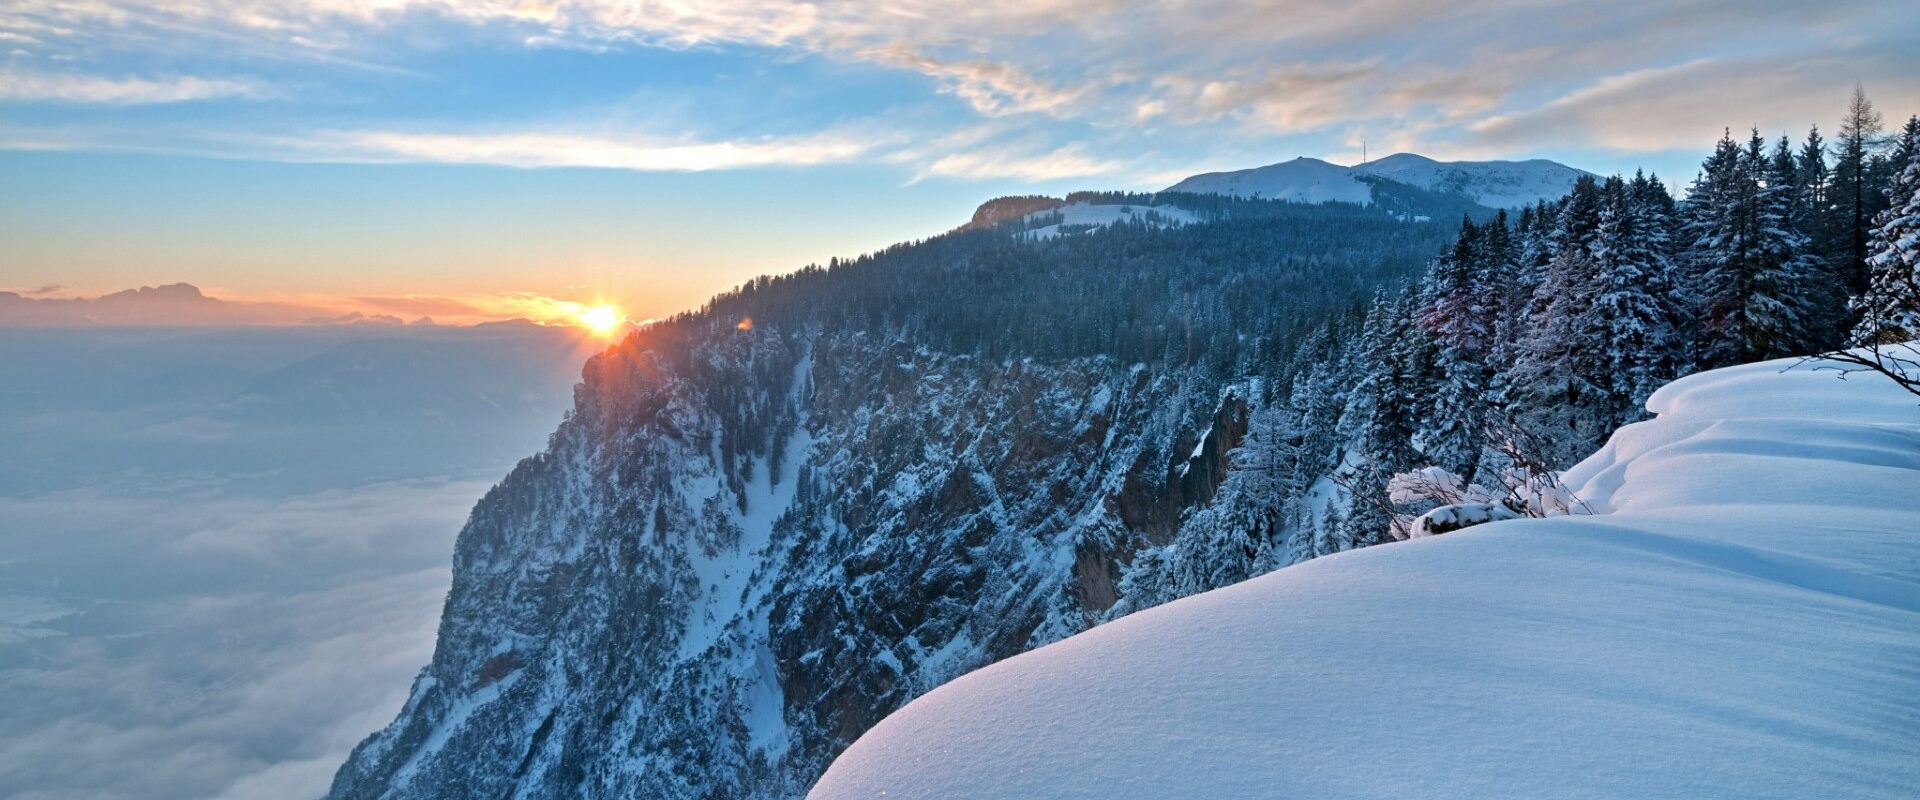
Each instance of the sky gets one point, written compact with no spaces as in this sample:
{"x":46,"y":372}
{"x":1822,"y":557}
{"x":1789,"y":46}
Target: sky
{"x":648,"y":154}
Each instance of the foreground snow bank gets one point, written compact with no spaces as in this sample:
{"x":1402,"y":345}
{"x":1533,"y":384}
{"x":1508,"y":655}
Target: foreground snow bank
{"x":1745,"y":622}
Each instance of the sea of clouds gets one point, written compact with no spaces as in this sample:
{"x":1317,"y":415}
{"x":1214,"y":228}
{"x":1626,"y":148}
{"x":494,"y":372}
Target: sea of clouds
{"x":171,"y":627}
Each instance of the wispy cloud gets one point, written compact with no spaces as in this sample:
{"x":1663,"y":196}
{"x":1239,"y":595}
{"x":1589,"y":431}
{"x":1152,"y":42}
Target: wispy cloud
{"x":990,"y":87}
{"x":17,"y":85}
{"x":563,"y":149}
{"x":1206,"y":75}
{"x":1685,"y":105}
{"x":1071,"y":161}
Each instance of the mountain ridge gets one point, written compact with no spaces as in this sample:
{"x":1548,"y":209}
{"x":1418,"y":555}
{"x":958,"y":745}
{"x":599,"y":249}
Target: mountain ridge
{"x":1494,"y":184}
{"x":749,"y":542}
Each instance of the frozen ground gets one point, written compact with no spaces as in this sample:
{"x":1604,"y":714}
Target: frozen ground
{"x":1744,"y":622}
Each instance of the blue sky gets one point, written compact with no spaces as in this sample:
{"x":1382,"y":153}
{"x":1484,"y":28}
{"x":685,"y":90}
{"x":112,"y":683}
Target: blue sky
{"x":650,"y":153}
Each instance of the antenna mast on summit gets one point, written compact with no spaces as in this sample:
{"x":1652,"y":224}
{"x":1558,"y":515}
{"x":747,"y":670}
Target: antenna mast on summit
{"x":1363,"y":151}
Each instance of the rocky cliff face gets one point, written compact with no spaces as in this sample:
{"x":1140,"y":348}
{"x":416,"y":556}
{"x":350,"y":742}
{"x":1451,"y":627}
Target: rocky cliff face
{"x":1002,"y":210}
{"x":735,"y":558}
{"x":748,"y":543}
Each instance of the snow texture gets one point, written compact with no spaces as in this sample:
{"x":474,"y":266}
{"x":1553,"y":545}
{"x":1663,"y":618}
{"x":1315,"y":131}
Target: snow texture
{"x":1447,"y":519}
{"x":1740,"y":621}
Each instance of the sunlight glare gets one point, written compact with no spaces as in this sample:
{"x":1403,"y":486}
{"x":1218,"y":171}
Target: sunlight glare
{"x":602,"y":320}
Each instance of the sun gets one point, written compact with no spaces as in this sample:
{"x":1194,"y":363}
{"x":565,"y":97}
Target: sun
{"x":602,"y":320}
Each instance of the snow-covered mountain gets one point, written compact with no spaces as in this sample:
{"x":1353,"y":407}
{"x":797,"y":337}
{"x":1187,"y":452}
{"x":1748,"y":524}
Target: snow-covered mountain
{"x":1302,"y":180}
{"x":1495,"y":184}
{"x":1739,"y":621}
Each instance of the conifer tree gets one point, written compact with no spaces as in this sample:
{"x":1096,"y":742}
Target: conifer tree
{"x":1814,"y":182}
{"x":1632,"y":311}
{"x":1854,"y":199}
{"x":1457,"y":314}
{"x":1889,"y":308}
{"x":1715,"y":236}
{"x":1785,"y":276}
{"x":1379,"y":417}
{"x":1759,"y":280}
{"x":1558,"y":387}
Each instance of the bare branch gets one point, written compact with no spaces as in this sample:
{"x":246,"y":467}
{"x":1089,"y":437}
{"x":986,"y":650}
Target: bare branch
{"x":1899,"y":363}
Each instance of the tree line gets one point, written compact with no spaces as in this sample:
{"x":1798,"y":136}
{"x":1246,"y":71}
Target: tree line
{"x":1534,"y":336}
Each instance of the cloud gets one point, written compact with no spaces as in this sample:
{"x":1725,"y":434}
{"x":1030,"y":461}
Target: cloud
{"x":414,"y":305}
{"x":1687,"y":105}
{"x":1207,"y":76}
{"x":992,"y":88}
{"x":1071,"y":161}
{"x":221,"y":685}
{"x":1291,"y":99}
{"x":638,"y":152}
{"x":20,"y":86}
{"x":185,"y":626}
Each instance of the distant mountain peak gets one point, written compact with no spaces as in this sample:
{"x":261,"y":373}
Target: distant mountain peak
{"x":164,"y":294}
{"x":1495,"y":184}
{"x":1397,"y":158}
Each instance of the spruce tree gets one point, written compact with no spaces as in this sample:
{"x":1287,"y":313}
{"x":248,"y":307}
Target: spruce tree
{"x":1759,"y":281}
{"x":1380,"y":415}
{"x":1457,"y":314}
{"x":1889,"y":308}
{"x":1714,"y":236}
{"x":1558,"y":389}
{"x":1785,"y":276}
{"x":1632,"y":311}
{"x":1814,"y":181}
{"x":1855,"y":200}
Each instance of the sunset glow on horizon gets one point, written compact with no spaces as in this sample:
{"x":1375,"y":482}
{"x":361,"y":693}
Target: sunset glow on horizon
{"x":603,"y":321}
{"x":368,"y":149}
{"x":188,"y":305}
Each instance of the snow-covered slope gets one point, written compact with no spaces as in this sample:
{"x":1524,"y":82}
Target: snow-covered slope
{"x":1302,"y":180}
{"x":1495,"y":184}
{"x":1743,"y":622}
{"x":1079,"y":217}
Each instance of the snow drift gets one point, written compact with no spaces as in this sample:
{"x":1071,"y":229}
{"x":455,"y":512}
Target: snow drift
{"x":1743,"y":620}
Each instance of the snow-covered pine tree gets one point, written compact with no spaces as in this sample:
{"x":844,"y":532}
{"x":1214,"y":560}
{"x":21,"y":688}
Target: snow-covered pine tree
{"x":1785,"y":277}
{"x":1557,"y":388}
{"x":1633,"y":311}
{"x":1379,"y":418}
{"x":1889,"y":309}
{"x":1457,"y":310}
{"x":1760,"y":282}
{"x":1316,"y":398}
{"x":1906,"y":145}
{"x":1715,"y":235}
{"x":1531,"y":249}
{"x":1814,"y":182}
